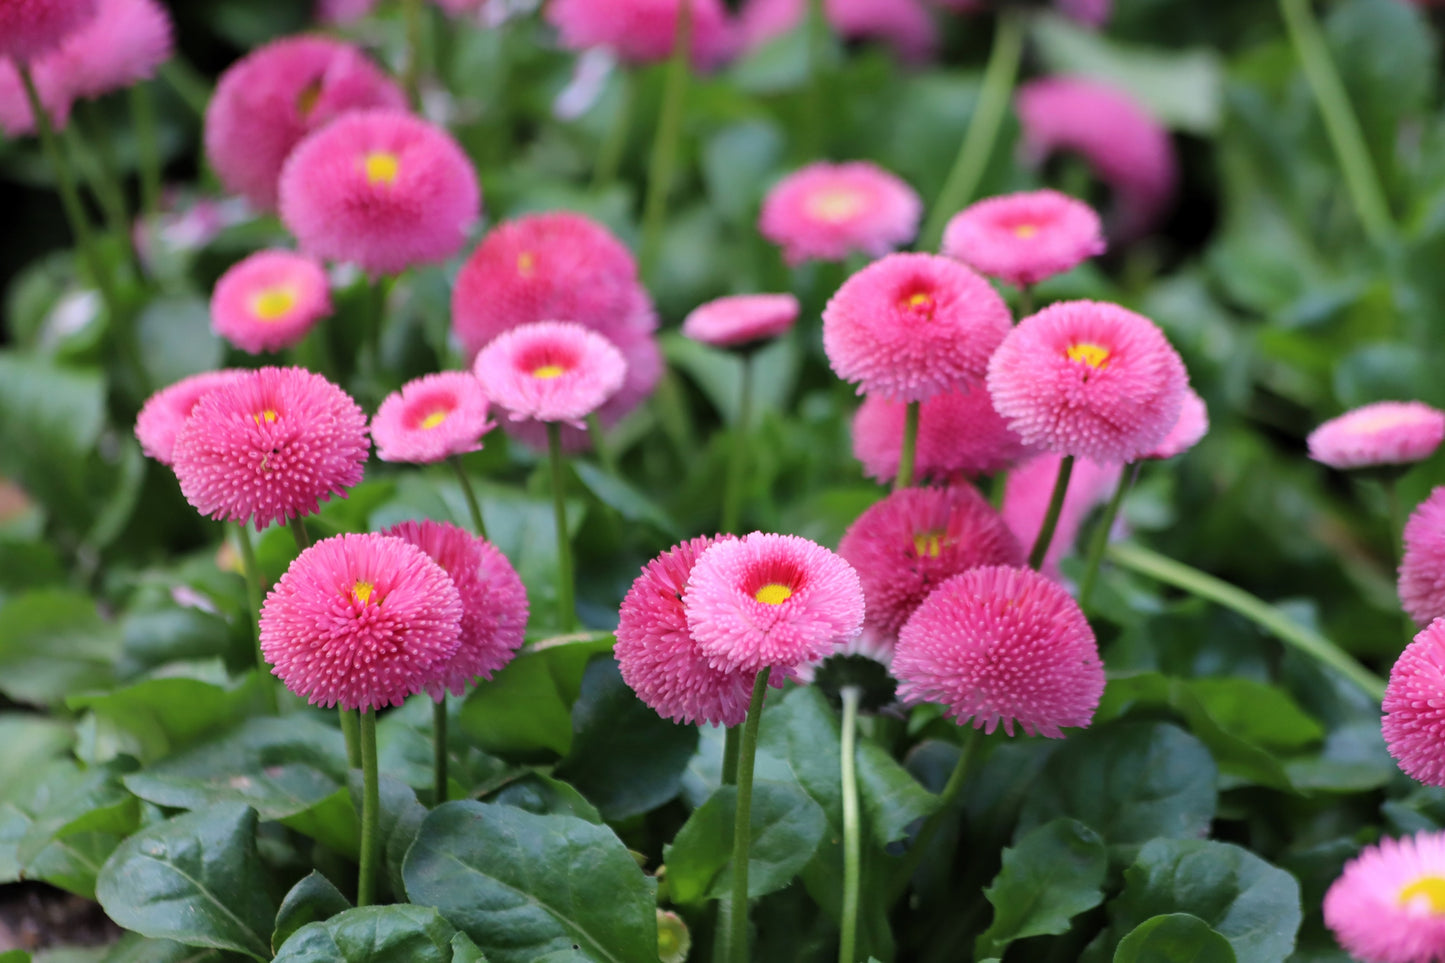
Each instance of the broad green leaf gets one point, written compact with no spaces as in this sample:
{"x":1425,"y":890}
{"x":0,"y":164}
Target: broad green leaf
{"x":50,"y":420}
{"x":892,"y":799}
{"x":14,"y":956}
{"x":158,"y":717}
{"x":134,"y":948}
{"x":1354,"y":759}
{"x":1051,"y":875}
{"x":619,"y":495}
{"x":1263,"y":714}
{"x":54,"y":644}
{"x":538,"y":793}
{"x":176,"y":330}
{"x":64,"y":825}
{"x":1174,"y":938}
{"x":314,"y":899}
{"x":30,"y":743}
{"x":509,"y":880}
{"x":527,"y":707}
{"x":373,"y":934}
{"x":195,"y":879}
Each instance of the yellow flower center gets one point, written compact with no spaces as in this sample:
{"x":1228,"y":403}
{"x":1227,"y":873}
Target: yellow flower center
{"x":381,"y":167}
{"x":928,"y":544}
{"x":920,"y":300}
{"x":434,"y":419}
{"x":269,"y":416}
{"x":1430,"y":888}
{"x":308,"y":98}
{"x":548,"y":371}
{"x":1026,"y":231}
{"x":273,"y":304}
{"x":526,"y":263}
{"x":1093,"y":355}
{"x":361,"y":591}
{"x":773,"y":593}
{"x":835,"y":204}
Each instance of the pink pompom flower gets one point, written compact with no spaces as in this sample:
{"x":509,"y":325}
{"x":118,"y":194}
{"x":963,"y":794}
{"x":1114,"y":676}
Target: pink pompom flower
{"x":1002,"y":645}
{"x":270,"y":446}
{"x":958,"y":433}
{"x":903,"y":24}
{"x":1188,"y":431}
{"x":827,"y":211}
{"x":1384,"y":433}
{"x":16,"y":117}
{"x":741,"y":319}
{"x":30,"y":29}
{"x":643,"y":31}
{"x":909,"y":543}
{"x":270,"y":301}
{"x":361,"y":621}
{"x":1090,"y":379}
{"x":910,"y":326}
{"x":1025,"y":238}
{"x":1414,"y":721}
{"x":1388,"y":905}
{"x":494,"y":603}
{"x":1029,"y":490}
{"x":1422,"y":567}
{"x":121,"y":45}
{"x":771,"y":600}
{"x":432,"y":418}
{"x":165,"y":412}
{"x":268,"y":101}
{"x":380,"y":189}
{"x":550,"y":371}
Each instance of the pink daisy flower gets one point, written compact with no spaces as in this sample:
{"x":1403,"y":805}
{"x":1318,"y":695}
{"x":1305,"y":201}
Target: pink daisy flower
{"x":550,"y":371}
{"x":121,"y":45}
{"x":958,"y":432}
{"x":771,"y":600}
{"x":907,"y":544}
{"x":642,"y":31}
{"x":270,"y":301}
{"x":380,"y":189}
{"x":1025,"y":238}
{"x":741,"y":319}
{"x":494,"y":603}
{"x":1030,"y":488}
{"x":1002,"y":645}
{"x":362,"y":621}
{"x":1090,"y":379}
{"x":16,"y":118}
{"x":270,"y":445}
{"x":903,"y":24}
{"x":1414,"y":722}
{"x":1422,"y":569}
{"x":1388,"y":905}
{"x":268,"y":101}
{"x":1384,"y":433}
{"x":1128,"y":149}
{"x":32,"y":28}
{"x":1188,"y":431}
{"x":432,"y":418}
{"x":659,"y":658}
{"x":827,"y":211}
{"x":910,"y":326}
{"x":166,"y":411}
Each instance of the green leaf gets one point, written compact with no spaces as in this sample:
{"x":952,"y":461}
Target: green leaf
{"x":159,"y":717}
{"x":30,"y":743}
{"x":176,"y":330}
{"x":892,"y":799}
{"x":54,"y":644}
{"x":14,"y":956}
{"x":134,"y":948}
{"x":527,"y":707}
{"x":619,"y":495}
{"x":50,"y":420}
{"x":787,"y":826}
{"x":373,"y":934}
{"x":1051,"y":875}
{"x":314,"y":899}
{"x":196,"y":879}
{"x":510,"y":881}
{"x":1174,"y":938}
{"x":538,"y":793}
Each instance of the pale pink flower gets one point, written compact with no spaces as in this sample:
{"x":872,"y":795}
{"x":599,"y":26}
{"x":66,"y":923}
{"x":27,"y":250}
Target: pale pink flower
{"x":643,"y":31}
{"x":1025,"y":238}
{"x":270,"y":300}
{"x":827,"y":211}
{"x":1388,"y":905}
{"x":432,"y":418}
{"x":741,"y":319}
{"x":123,"y":44}
{"x":165,"y":412}
{"x":1188,"y":431}
{"x":1384,"y":433}
{"x":550,"y":371}
{"x":1422,"y":567}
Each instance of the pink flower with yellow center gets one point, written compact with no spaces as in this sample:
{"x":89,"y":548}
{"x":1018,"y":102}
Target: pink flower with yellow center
{"x":642,"y":31}
{"x":741,"y":319}
{"x":1414,"y":721}
{"x":1422,"y":567}
{"x":30,"y":29}
{"x":550,"y":371}
{"x":1384,"y":433}
{"x":1188,"y":431}
{"x":432,"y":418}
{"x":165,"y":412}
{"x":123,"y":44}
{"x":270,"y":301}
{"x":1025,"y":238}
{"x":958,"y":433}
{"x":827,"y":211}
{"x":1388,"y":905}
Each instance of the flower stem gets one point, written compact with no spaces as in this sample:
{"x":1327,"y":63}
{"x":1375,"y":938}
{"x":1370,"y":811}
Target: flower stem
{"x":1346,"y":137}
{"x":439,"y":750}
{"x":143,"y":116}
{"x":351,"y":732}
{"x":908,"y":452}
{"x":1397,"y":539}
{"x":978,"y":142}
{"x":299,"y":533}
{"x":252,"y":570}
{"x":614,"y":146}
{"x":105,"y":182}
{"x":411,"y":74}
{"x":566,"y":607}
{"x":664,"y":147}
{"x":473,"y":506}
{"x":924,"y":840}
{"x":1051,"y":517}
{"x":598,"y":434}
{"x":1100,"y":539}
{"x":370,"y":811}
{"x":1026,"y":301}
{"x":737,"y":465}
{"x":816,"y":118}
{"x":730,"y":756}
{"x":852,"y":842}
{"x":742,"y":827}
{"x":1161,"y":568}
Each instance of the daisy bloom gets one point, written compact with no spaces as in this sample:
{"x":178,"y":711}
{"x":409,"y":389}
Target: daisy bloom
{"x":910,"y":326}
{"x":1388,"y":905}
{"x":1023,"y":239}
{"x":494,"y":603}
{"x":643,"y":31}
{"x":270,"y":301}
{"x":120,"y":46}
{"x":903,"y":24}
{"x":1384,"y":433}
{"x":1029,"y":490}
{"x":1414,"y":706}
{"x":270,"y":446}
{"x":904,"y":546}
{"x":550,"y":371}
{"x":166,"y":411}
{"x":360,"y":621}
{"x":31,"y":28}
{"x":16,"y":118}
{"x":741,"y":319}
{"x":771,"y":600}
{"x":1002,"y":645}
{"x":1188,"y":431}
{"x":432,"y":418}
{"x":1089,"y":379}
{"x":268,"y":101}
{"x":958,"y":432}
{"x":827,"y":211}
{"x":1422,"y":568}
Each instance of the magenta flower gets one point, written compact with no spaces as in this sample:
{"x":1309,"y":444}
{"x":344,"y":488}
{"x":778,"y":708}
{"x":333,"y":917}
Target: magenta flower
{"x":1388,"y":905}
{"x":911,"y":326}
{"x":270,"y":301}
{"x":958,"y":433}
{"x":1002,"y":645}
{"x":361,"y":621}
{"x":550,"y":371}
{"x":1188,"y":431}
{"x":1422,"y":568}
{"x":771,"y":600}
{"x":827,"y":211}
{"x":1384,"y":433}
{"x":123,"y":44}
{"x":432,"y":418}
{"x":1414,"y":721}
{"x":741,"y":319}
{"x":903,"y":24}
{"x":1029,"y":490}
{"x":642,"y":31}
{"x":165,"y":412}
{"x":16,"y":118}
{"x":268,"y":101}
{"x":270,"y":446}
{"x":1025,"y":238}
{"x":913,"y":540}
{"x":32,"y":28}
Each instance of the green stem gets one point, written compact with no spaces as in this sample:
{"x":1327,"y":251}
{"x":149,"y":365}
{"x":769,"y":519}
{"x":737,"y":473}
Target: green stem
{"x":1346,"y":137}
{"x":105,"y":180}
{"x":1161,"y":568}
{"x":1397,"y":539}
{"x":188,"y":83}
{"x":143,"y":117}
{"x":370,"y":812}
{"x":816,"y":118}
{"x":614,"y":145}
{"x":737,"y":465}
{"x":908,"y":452}
{"x":1100,"y":539}
{"x":252,"y":570}
{"x":566,"y":607}
{"x":742,"y":827}
{"x":1051,"y":518}
{"x":978,"y":142}
{"x":605,"y":455}
{"x":411,"y":74}
{"x":664,"y":147}
{"x":1026,"y":300}
{"x":299,"y":533}
{"x":730,"y":756}
{"x":923,"y":842}
{"x":439,"y":750}
{"x":852,"y":841}
{"x":351,"y":732}
{"x":469,"y":493}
